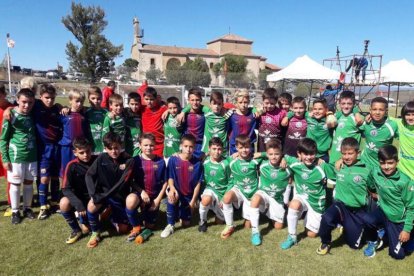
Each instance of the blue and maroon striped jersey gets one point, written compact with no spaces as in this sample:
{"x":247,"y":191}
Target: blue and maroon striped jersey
{"x":74,"y":125}
{"x":150,"y":174}
{"x":185,"y":174}
{"x":47,"y":121}
{"x":194,"y":125}
{"x":241,"y":124}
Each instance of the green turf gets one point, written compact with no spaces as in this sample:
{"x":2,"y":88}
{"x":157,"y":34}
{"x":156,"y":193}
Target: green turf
{"x":38,"y":248}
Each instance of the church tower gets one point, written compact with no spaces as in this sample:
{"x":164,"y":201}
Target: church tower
{"x":137,"y":44}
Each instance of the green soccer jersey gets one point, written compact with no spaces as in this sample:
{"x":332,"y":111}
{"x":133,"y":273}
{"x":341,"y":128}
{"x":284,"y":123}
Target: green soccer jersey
{"x":309,"y":182}
{"x":273,"y":180}
{"x":377,"y":136}
{"x":96,"y":119}
{"x":172,"y":132}
{"x":406,"y":151}
{"x":116,"y":125}
{"x":352,"y":184}
{"x":216,"y":126}
{"x":395,"y":196}
{"x":216,"y":176}
{"x":244,"y":175}
{"x":18,"y":139}
{"x":319,"y":132}
{"x":346,"y":127}
{"x":134,"y":130}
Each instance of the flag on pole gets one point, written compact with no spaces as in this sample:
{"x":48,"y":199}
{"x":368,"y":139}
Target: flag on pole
{"x":10,"y":42}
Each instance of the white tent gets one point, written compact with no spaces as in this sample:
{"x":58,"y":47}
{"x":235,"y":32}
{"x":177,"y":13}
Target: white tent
{"x":398,"y":71}
{"x":304,"y":68}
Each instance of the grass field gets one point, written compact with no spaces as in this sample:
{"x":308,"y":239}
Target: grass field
{"x":38,"y":248}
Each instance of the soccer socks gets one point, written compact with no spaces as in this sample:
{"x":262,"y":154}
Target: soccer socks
{"x":8,"y":191}
{"x":228,"y":213}
{"x":286,"y":194}
{"x":132,"y":217}
{"x":15,"y":197}
{"x":43,"y":191}
{"x":71,"y":221}
{"x":54,"y":190}
{"x":27,"y":195}
{"x":93,"y":219}
{"x":171,"y":213}
{"x":292,"y":220}
{"x":203,"y":212}
{"x":254,"y":219}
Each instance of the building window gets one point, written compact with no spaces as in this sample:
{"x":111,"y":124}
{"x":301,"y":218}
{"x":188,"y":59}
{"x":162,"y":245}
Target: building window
{"x":211,"y":65}
{"x":152,"y":61}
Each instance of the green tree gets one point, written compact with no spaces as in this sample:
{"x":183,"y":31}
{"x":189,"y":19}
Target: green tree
{"x":130,"y":66}
{"x":234,"y":69}
{"x":95,"y":54}
{"x":191,"y":73}
{"x":262,"y":78}
{"x":153,"y":74}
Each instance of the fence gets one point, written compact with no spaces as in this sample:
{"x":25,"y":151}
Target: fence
{"x":165,"y":91}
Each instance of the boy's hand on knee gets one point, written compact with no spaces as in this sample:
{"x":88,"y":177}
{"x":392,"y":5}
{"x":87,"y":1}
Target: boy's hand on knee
{"x":155,"y":205}
{"x":145,"y":197}
{"x":404,"y":236}
{"x":172,"y":195}
{"x":82,"y":213}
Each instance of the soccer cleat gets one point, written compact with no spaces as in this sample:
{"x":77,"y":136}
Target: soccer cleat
{"x":134,"y":233}
{"x":44,"y":213}
{"x":202,"y":226}
{"x":94,"y":240}
{"x":369,"y":251}
{"x":8,"y":212}
{"x":169,"y":229}
{"x":340,"y":228}
{"x":226,"y":233}
{"x":323,"y":249}
{"x":74,"y":237}
{"x":256,"y":239}
{"x":15,"y":218}
{"x":289,"y":242}
{"x":28,"y":213}
{"x":381,"y":234}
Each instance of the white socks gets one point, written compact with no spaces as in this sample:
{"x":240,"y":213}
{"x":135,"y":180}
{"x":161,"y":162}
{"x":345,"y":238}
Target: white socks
{"x":292,"y":221}
{"x":286,"y":194}
{"x":254,"y":219}
{"x":15,"y":197}
{"x":203,"y":212}
{"x":27,"y":195}
{"x":228,"y":213}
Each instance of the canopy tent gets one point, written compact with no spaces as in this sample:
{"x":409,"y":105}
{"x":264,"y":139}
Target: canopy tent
{"x":306,"y":69}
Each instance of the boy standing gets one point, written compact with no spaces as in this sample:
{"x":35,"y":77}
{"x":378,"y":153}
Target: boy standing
{"x":195,"y":120}
{"x":115,"y":120}
{"x":110,"y":182}
{"x":75,"y":193}
{"x":396,"y":206}
{"x":18,"y":149}
{"x":107,"y":92}
{"x":133,"y":124}
{"x":185,"y":173}
{"x":172,"y":128}
{"x":96,"y":116}
{"x":216,"y":178}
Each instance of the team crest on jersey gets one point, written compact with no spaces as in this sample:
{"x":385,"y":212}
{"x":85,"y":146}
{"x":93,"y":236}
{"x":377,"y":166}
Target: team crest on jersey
{"x":357,"y":179}
{"x":122,"y":167}
{"x":273,"y":175}
{"x":341,"y":125}
{"x":373,"y":132}
{"x":244,"y":169}
{"x":43,"y":170}
{"x":155,"y":166}
{"x":298,"y":124}
{"x":27,"y":123}
{"x":217,"y":120}
{"x":268,"y":120}
{"x":191,"y":168}
{"x":249,"y":120}
{"x":325,"y":127}
{"x":305,"y":175}
{"x":213,"y":173}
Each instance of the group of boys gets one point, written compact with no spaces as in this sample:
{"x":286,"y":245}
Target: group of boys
{"x":148,"y":151}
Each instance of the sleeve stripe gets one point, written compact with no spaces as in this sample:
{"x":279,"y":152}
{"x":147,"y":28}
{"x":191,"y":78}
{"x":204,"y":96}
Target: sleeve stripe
{"x":390,"y":129}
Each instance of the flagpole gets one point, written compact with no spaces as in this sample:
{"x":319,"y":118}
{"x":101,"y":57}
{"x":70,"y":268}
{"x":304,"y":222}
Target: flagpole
{"x":8,"y":63}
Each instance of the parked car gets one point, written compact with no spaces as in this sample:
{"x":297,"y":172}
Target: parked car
{"x":52,"y":74}
{"x":134,"y":82}
{"x":105,"y":80}
{"x":27,"y":71}
{"x":39,"y":74}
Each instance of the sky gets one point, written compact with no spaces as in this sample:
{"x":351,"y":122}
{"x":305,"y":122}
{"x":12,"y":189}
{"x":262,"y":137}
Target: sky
{"x":282,"y":30}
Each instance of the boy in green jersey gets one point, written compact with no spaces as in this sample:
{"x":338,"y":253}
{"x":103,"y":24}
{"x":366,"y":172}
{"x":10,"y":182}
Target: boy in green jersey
{"x":379,"y":132}
{"x":216,"y":178}
{"x":309,"y":193}
{"x":19,"y":153}
{"x":396,"y":206}
{"x":133,"y":120}
{"x":272,"y":185}
{"x":115,"y":120}
{"x":172,"y":128}
{"x":96,"y":116}
{"x":245,"y":183}
{"x":347,"y":123}
{"x":349,"y":207}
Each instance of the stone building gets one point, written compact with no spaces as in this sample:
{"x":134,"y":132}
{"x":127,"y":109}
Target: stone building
{"x":158,"y":56}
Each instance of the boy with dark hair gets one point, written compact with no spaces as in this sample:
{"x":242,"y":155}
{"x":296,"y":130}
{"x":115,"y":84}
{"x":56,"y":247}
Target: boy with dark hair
{"x":133,"y":124}
{"x":19,"y":152}
{"x":216,"y":178}
{"x":396,"y":206}
{"x":349,"y":206}
{"x":115,"y":120}
{"x":110,"y":182}
{"x":96,"y":116}
{"x":185,"y":174}
{"x":285,"y":101}
{"x":150,"y":173}
{"x":268,"y":199}
{"x":310,"y":194}
{"x":152,"y":118}
{"x":107,"y":92}
{"x":172,"y":128}
{"x":379,"y":132}
{"x":195,"y":120}
{"x":75,"y":193}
